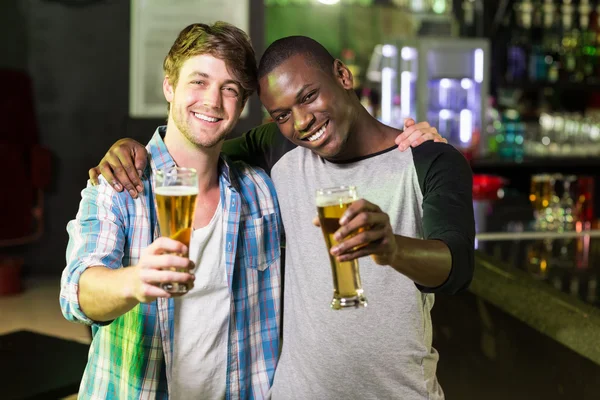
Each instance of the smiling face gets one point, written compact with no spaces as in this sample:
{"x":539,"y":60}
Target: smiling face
{"x":206,"y":102}
{"x":312,"y":107}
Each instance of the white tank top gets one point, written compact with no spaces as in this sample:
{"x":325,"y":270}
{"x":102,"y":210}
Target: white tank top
{"x":200,"y":342}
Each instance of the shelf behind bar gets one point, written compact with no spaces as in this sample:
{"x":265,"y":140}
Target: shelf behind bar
{"x":554,"y":163}
{"x":505,"y":236}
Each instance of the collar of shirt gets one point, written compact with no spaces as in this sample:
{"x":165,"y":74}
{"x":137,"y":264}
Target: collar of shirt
{"x":159,"y":157}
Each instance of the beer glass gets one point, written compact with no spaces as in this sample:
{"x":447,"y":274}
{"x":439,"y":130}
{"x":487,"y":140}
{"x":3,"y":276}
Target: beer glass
{"x":176,"y":190}
{"x":347,"y":288}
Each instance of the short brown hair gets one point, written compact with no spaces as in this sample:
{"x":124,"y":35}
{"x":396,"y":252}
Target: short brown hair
{"x":220,"y":40}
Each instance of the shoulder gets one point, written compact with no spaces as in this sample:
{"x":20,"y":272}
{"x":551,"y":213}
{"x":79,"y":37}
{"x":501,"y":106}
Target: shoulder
{"x":431,"y":150}
{"x":247,"y":177}
{"x":441,"y":165}
{"x":439,"y":156}
{"x":102,"y":199}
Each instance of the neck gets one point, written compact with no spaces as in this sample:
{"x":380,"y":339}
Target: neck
{"x":367,"y":135}
{"x":189,"y":155}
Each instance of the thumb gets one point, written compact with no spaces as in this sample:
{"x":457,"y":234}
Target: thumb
{"x":408,"y":122}
{"x":316,"y":222}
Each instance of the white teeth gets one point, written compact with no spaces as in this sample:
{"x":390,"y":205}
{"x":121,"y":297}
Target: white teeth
{"x":317,"y":135}
{"x":205,"y":118}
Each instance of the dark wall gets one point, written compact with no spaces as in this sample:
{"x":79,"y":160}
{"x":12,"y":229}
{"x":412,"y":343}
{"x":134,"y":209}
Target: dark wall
{"x":78,"y":58}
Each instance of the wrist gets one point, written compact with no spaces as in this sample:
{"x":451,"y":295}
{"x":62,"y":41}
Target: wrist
{"x":399,"y":256}
{"x":130,"y":284}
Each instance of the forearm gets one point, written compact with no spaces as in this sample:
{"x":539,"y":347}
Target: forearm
{"x":427,"y":262}
{"x":105,"y":294}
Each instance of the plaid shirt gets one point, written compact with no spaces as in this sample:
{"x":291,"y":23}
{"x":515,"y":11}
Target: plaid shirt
{"x":131,"y":357}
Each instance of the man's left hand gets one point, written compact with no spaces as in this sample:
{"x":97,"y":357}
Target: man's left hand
{"x":365,"y":230}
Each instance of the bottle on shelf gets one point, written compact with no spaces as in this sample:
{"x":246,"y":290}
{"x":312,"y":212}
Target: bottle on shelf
{"x":467,"y":28}
{"x":511,"y":147}
{"x":538,"y":69}
{"x":551,"y":40}
{"x":587,"y":62}
{"x":519,"y":46}
{"x":568,"y":43}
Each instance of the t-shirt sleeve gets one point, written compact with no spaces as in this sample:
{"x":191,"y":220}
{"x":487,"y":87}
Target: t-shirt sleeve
{"x":446,"y":181}
{"x":261,"y":147}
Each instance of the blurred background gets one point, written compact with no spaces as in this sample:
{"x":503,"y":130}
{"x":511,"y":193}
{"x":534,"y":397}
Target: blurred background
{"x":513,"y":84}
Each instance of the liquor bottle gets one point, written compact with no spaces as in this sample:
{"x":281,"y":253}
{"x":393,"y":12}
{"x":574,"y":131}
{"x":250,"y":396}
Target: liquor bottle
{"x":550,"y":41}
{"x":588,"y":41}
{"x":519,"y":46}
{"x":538,"y":70}
{"x":467,"y":28}
{"x":569,"y":43}
{"x":595,"y":27}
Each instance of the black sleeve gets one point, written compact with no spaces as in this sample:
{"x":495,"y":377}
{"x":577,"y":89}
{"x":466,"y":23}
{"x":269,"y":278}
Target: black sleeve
{"x":446,"y":181}
{"x":262,"y":146}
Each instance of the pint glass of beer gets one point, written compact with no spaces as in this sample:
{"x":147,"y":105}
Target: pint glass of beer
{"x":176,"y":190}
{"x":331,"y":205}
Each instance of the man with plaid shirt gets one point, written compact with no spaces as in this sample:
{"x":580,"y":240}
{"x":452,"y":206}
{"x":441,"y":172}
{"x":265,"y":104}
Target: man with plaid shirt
{"x":221,"y":339}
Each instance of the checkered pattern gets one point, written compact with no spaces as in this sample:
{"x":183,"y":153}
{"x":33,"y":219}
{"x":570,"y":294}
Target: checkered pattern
{"x":130,"y":357}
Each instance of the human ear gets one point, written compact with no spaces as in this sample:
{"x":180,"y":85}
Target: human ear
{"x":343,"y":75}
{"x":168,"y":89}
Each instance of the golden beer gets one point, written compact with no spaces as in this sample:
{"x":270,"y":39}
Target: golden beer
{"x":176,"y":191}
{"x":347,"y":287}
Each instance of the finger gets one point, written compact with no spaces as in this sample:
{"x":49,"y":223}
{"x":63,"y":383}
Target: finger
{"x":316,"y":222}
{"x":421,"y":125}
{"x":150,"y":292}
{"x":166,"y":245}
{"x":121,"y":176}
{"x":166,"y":262}
{"x":361,"y":240}
{"x":158,"y":276}
{"x":372,"y":249}
{"x":440,"y":139}
{"x":405,"y":133}
{"x":357,"y":207}
{"x":416,"y":138}
{"x":425,"y":137}
{"x":358,"y":242}
{"x":93,"y":173}
{"x":408,"y":122}
{"x":405,"y":139}
{"x":107,"y":172}
{"x":130,"y":176}
{"x":362,"y":221}
{"x":141,"y":159}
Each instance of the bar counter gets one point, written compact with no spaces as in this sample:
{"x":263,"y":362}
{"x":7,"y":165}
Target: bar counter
{"x":514,"y":336}
{"x":562,"y":317}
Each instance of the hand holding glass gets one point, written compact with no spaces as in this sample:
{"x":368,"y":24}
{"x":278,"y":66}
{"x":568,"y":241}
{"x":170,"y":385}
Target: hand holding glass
{"x":176,"y":190}
{"x":347,"y":288}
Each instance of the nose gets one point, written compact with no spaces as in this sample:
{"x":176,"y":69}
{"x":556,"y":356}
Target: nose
{"x":212,"y":97}
{"x":302,"y":120}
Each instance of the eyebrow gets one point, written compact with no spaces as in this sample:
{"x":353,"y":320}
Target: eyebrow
{"x":298,"y":98}
{"x":206,"y":76}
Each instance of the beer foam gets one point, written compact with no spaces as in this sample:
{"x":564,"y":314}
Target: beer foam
{"x":333,"y":200}
{"x":176,"y":190}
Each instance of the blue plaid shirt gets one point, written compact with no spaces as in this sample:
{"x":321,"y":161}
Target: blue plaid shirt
{"x":131,"y":357}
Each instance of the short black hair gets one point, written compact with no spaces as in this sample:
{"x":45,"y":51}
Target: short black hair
{"x":287,"y":47}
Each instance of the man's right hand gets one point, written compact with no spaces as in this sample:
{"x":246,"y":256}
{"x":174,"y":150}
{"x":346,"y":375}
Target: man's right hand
{"x":154,"y":269}
{"x":122,"y":166}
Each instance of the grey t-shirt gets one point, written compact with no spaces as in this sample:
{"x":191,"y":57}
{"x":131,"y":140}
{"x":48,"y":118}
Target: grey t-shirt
{"x":383,"y":351}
